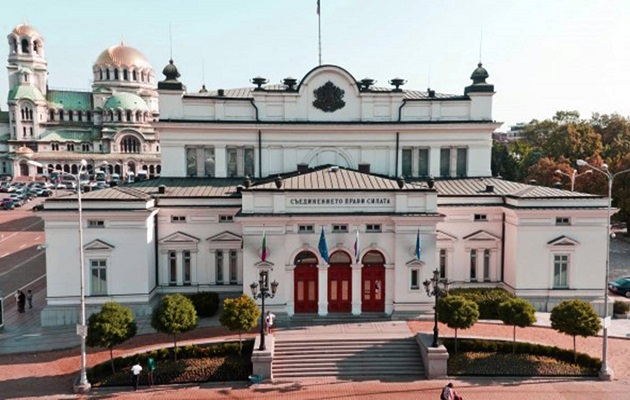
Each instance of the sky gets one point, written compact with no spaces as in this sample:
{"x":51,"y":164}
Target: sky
{"x":542,"y":55}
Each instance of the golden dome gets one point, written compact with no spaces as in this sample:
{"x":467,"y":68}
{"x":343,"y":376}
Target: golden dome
{"x":121,"y":55}
{"x":24,"y":30}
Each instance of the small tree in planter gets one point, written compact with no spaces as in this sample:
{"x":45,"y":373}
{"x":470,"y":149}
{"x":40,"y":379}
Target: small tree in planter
{"x":111,"y":326}
{"x":175,"y":314}
{"x":457,"y":313}
{"x":575,"y":317}
{"x":517,"y":312}
{"x":621,"y":308}
{"x":240,"y":314}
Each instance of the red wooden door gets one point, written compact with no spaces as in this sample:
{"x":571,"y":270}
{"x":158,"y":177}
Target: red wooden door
{"x":306,"y":288}
{"x":373,"y":288}
{"x":339,"y":288}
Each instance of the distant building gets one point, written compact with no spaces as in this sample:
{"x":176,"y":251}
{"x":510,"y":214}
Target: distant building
{"x":58,"y":128}
{"x":515,"y":132}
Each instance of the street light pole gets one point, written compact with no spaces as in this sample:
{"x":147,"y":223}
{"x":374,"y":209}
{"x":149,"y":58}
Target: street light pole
{"x":573,"y":176}
{"x":605,"y":373}
{"x":264,"y":294}
{"x":432,"y":288}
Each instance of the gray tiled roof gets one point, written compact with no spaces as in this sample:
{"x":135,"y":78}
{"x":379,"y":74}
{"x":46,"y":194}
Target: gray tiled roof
{"x":189,"y":187}
{"x":335,"y":178}
{"x":247,"y":93}
{"x":477,"y":187}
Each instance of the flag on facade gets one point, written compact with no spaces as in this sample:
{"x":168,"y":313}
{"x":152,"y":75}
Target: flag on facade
{"x":418,"y":246}
{"x":318,"y":7}
{"x":263,"y":253}
{"x":356,"y":247}
{"x":323,"y":247}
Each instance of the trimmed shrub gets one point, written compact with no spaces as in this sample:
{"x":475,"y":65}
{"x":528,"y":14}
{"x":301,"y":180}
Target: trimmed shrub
{"x":206,"y":303}
{"x":621,"y":307}
{"x":487,"y":299}
{"x":502,"y":346}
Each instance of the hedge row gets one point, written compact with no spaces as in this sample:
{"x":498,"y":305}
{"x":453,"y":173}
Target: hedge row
{"x":502,"y":346}
{"x":206,"y":303}
{"x":165,"y":355}
{"x":487,"y":299}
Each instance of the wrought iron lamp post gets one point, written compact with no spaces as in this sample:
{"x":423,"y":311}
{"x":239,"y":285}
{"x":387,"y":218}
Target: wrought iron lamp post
{"x":605,"y":372}
{"x":432,"y":286}
{"x":263,"y":294}
{"x":573,"y":176}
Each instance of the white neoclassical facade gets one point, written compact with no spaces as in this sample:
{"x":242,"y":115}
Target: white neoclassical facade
{"x":58,"y":127}
{"x":375,"y":169}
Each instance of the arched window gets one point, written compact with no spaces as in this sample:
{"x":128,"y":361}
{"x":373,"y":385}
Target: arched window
{"x":70,"y":116}
{"x":129,"y":114}
{"x":107,"y":74}
{"x":138,"y":116}
{"x":340,"y":257}
{"x":125,"y":75}
{"x":60,"y":115}
{"x":129,"y":144}
{"x":85,"y":147}
{"x":36,"y":47}
{"x":79,"y":116}
{"x":157,"y":148}
{"x":88,"y":116}
{"x":23,"y":112}
{"x":134,"y":75}
{"x":305,"y":257}
{"x":373,"y":258}
{"x":70,"y":147}
{"x":51,"y":115}
{"x":116,"y":74}
{"x":100,"y":74}
{"x":142,"y":76}
{"x":25,"y":46}
{"x":25,"y":78}
{"x":118,"y":115}
{"x":75,"y":169}
{"x":14,"y":46}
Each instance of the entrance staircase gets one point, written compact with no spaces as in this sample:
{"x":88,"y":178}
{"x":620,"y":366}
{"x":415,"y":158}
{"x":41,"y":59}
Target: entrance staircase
{"x":347,"y":350}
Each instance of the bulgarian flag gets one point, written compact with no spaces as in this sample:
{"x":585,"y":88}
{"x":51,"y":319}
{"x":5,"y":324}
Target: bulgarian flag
{"x":418,"y":245}
{"x":263,"y":254}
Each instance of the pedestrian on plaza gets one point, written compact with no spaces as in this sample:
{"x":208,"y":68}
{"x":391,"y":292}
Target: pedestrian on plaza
{"x":448,"y":393}
{"x":269,"y":319}
{"x":150,"y":367}
{"x":29,"y":298}
{"x":136,"y":370}
{"x":21,"y":301}
{"x":17,"y":299}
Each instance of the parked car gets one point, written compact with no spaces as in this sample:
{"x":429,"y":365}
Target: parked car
{"x":7,"y":204}
{"x":620,"y":286}
{"x":18,"y":200}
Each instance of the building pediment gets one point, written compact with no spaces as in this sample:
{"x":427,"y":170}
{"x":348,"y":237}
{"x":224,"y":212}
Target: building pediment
{"x":179,"y":237}
{"x":98,"y":245}
{"x":481,"y":236}
{"x":441,"y":235}
{"x":225,"y":240}
{"x":563,"y":241}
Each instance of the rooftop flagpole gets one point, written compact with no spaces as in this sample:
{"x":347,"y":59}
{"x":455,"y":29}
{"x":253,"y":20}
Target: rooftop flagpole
{"x":319,"y":30}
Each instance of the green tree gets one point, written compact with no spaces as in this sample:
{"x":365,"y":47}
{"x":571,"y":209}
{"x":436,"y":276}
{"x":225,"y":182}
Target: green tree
{"x":174,"y":315}
{"x":517,"y":312}
{"x":239,"y":314}
{"x":111,"y":326}
{"x":575,"y":317}
{"x":457,"y":312}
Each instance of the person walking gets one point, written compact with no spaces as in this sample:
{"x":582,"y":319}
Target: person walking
{"x":29,"y":298}
{"x":135,"y":371}
{"x":269,"y":319}
{"x":151,"y":367}
{"x":21,"y":302}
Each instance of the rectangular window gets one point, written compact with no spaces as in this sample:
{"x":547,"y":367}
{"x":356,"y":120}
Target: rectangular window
{"x":338,"y":228}
{"x":233,"y":267}
{"x":445,"y":162}
{"x":191,"y":161}
{"x":98,"y":277}
{"x":249,"y":161}
{"x":406,"y":162}
{"x":415,"y":279}
{"x":473,"y":265}
{"x":563,"y":221}
{"x":462,"y":162}
{"x":208,"y":161}
{"x":178,"y":219}
{"x":172,"y":268}
{"x":486,"y":265}
{"x":70,"y":146}
{"x":423,"y":162}
{"x":442,"y":263}
{"x":226,"y":218}
{"x":560,"y":270}
{"x":55,"y":146}
{"x":96,"y":223}
{"x":373,"y":227}
{"x":306,"y":229}
{"x":232,"y":162}
{"x":219,"y":266}
{"x":481,"y":217}
{"x":186,"y":266}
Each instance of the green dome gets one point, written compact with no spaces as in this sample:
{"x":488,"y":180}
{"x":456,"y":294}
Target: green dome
{"x":26,"y":92}
{"x":126,"y":101}
{"x":480,"y":74}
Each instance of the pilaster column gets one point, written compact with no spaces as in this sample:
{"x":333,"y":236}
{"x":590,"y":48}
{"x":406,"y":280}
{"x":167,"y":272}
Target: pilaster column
{"x":220,"y":162}
{"x":388,"y":287}
{"x":180,"y":267}
{"x":226,"y":267}
{"x":212,"y":275}
{"x":357,"y":289}
{"x":289,"y":280}
{"x":323,"y":289}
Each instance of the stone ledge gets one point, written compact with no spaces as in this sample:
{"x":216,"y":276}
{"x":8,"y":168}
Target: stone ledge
{"x":435,"y":358}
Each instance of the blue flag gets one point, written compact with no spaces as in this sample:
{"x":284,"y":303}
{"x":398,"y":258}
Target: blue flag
{"x":418,"y":246}
{"x":323,"y":247}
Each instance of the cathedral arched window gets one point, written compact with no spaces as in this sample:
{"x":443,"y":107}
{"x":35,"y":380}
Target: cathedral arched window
{"x":60,"y":115}
{"x":125,"y":75}
{"x":88,"y":116}
{"x":134,"y":75}
{"x":79,"y":116}
{"x":14,"y":46}
{"x":25,"y":49}
{"x":142,"y":76}
{"x":138,"y":116}
{"x":36,"y":47}
{"x":129,"y":113}
{"x":51,"y":115}
{"x":70,"y":116}
{"x":22,"y":111}
{"x":118,"y":115}
{"x":116,"y":74}
{"x":129,"y":144}
{"x":107,"y":74}
{"x":30,"y":114}
{"x":100,"y":74}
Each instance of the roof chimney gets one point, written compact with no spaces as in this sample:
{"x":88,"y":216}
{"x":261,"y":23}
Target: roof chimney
{"x":364,"y":168}
{"x":490,"y":188}
{"x":302,"y":168}
{"x":221,"y":92}
{"x":162,"y":189}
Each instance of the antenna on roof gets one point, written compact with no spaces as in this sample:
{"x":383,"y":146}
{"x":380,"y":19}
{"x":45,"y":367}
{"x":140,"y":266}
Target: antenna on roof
{"x":203,"y":72}
{"x":480,"y":43}
{"x":170,"y":39}
{"x":429,"y":77}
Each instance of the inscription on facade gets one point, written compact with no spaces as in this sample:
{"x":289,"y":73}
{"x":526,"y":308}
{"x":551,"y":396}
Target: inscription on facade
{"x":339,"y":201}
